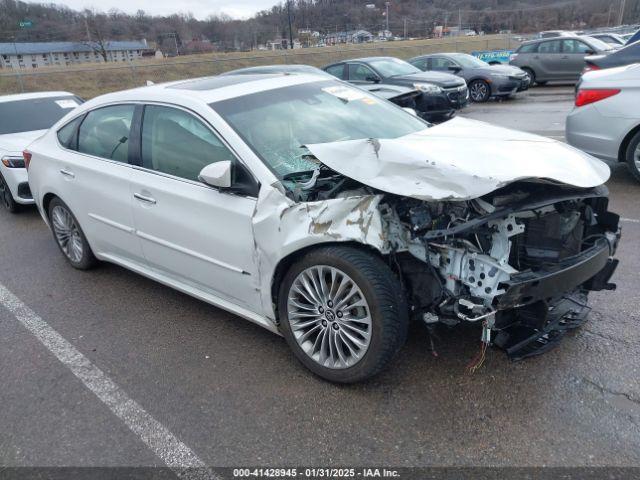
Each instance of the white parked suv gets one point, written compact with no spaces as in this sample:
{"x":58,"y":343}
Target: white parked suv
{"x":23,"y":118}
{"x":605,"y":121}
{"x":329,"y":215}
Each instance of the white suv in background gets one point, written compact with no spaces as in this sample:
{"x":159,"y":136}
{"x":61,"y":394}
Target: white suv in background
{"x":606,"y":119}
{"x":23,"y":118}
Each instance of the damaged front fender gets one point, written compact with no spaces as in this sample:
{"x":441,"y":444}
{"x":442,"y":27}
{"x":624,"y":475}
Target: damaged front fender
{"x":282,"y":227}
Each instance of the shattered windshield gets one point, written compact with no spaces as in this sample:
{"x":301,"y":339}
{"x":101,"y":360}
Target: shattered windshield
{"x":277,"y":123}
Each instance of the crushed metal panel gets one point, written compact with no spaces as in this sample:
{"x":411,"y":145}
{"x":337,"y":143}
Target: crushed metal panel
{"x":459,"y":160}
{"x":282,"y":226}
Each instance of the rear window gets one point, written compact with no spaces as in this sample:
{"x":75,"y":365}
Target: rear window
{"x":35,"y":113}
{"x":529,"y":48}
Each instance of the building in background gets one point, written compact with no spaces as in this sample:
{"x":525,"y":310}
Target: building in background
{"x":41,"y":54}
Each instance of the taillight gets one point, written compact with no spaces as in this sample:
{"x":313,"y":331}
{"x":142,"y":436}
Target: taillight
{"x":587,"y":96}
{"x":27,"y":158}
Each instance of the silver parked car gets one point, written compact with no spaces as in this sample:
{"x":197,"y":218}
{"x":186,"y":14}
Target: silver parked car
{"x":606,"y":120}
{"x":557,"y":59}
{"x":484,"y":80}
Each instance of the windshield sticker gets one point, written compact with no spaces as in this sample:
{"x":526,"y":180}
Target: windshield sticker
{"x":345,"y":93}
{"x":67,"y":103}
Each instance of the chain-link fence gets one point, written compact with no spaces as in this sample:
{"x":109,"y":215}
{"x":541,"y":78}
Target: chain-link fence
{"x":95,"y":79}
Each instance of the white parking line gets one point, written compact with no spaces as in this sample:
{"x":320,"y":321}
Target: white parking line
{"x":630,"y":220}
{"x":175,"y":454}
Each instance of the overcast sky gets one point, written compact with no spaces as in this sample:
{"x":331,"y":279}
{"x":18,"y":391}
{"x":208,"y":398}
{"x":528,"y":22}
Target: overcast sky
{"x":201,"y":9}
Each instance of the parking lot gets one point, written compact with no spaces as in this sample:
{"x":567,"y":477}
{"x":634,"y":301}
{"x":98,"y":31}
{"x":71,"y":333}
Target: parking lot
{"x":233,"y":394}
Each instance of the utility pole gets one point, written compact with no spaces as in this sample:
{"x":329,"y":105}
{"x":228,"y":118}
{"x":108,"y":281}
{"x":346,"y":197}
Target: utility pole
{"x":386,"y":15}
{"x":405,"y":27}
{"x":15,"y":47}
{"x":609,"y":16}
{"x":459,"y":22}
{"x":289,"y":17}
{"x":621,"y":17}
{"x":175,"y":41}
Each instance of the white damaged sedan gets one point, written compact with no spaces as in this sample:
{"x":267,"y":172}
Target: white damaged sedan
{"x":329,"y":215}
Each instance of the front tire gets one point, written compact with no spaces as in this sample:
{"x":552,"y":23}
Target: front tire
{"x":479,"y":91}
{"x":6,"y":198}
{"x":343,"y":313}
{"x":632,"y":156}
{"x":69,"y":236}
{"x":532,"y":76}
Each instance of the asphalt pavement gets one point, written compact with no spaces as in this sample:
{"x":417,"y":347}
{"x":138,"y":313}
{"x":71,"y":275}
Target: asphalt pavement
{"x":107,"y":368}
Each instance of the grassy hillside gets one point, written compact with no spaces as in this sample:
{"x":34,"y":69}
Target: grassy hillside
{"x":89,"y":80}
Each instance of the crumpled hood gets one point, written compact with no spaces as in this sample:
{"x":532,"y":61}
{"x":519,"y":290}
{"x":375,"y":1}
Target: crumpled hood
{"x":459,"y":160}
{"x":17,"y":142}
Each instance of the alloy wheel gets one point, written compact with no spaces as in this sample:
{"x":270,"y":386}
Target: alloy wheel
{"x":479,"y":91}
{"x":67,"y":233}
{"x":636,"y":158}
{"x":329,"y":317}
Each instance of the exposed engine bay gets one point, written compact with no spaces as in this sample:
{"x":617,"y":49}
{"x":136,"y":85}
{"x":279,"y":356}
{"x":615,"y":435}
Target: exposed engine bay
{"x":519,"y":260}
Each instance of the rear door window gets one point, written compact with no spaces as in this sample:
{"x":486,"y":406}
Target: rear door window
{"x":105,"y":132}
{"x":549,"y":47}
{"x":360,"y":73}
{"x":336,"y":71}
{"x":575,"y":46}
{"x":68,"y":135}
{"x":441,"y":63}
{"x":421,"y":63}
{"x":530,"y":48}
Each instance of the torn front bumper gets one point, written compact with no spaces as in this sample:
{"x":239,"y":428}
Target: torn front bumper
{"x":592,"y":268}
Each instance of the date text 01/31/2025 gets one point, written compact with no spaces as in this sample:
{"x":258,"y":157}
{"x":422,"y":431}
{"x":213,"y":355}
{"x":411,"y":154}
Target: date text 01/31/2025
{"x":312,"y":473}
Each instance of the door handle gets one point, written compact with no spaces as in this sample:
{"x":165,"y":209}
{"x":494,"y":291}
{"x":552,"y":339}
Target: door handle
{"x":144,"y":198}
{"x":67,"y":173}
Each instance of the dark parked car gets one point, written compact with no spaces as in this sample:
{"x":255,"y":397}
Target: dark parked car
{"x":625,"y":56}
{"x":402,"y":96}
{"x":557,"y":59}
{"x":442,"y":94}
{"x":484,"y":80}
{"x":613,"y":39}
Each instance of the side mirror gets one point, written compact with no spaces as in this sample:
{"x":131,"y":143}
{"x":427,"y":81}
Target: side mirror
{"x":217,"y":174}
{"x":372,"y":78}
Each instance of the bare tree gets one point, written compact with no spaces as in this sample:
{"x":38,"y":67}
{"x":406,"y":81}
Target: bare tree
{"x":95,"y":34}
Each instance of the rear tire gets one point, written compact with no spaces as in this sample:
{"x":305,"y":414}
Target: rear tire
{"x":479,"y":91}
{"x":632,"y":156}
{"x":69,"y":236}
{"x":6,"y":198}
{"x":343,"y":313}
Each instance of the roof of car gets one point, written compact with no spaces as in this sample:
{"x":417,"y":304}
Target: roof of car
{"x":29,"y":96}
{"x":551,"y":39}
{"x":290,"y":68}
{"x":207,"y":89}
{"x":440,"y":54}
{"x":220,"y":81}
